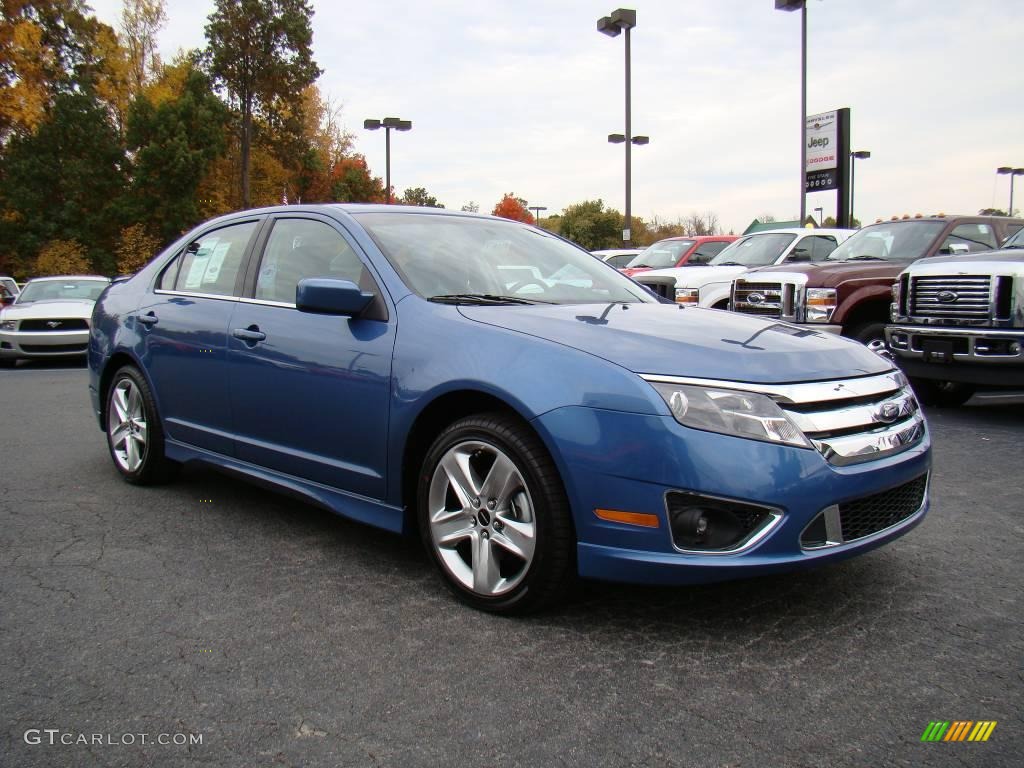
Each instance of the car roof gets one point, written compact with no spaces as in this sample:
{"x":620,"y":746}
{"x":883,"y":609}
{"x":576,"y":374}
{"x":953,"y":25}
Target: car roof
{"x":68,"y":277}
{"x":802,"y":231}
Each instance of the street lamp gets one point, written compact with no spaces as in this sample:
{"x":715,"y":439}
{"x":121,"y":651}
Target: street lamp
{"x":536,"y":212}
{"x":821,"y":221}
{"x":800,"y":5}
{"x":624,"y":19}
{"x":1012,"y":172}
{"x":387,"y":124}
{"x":860,"y":154}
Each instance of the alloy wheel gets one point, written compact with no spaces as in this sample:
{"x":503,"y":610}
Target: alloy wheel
{"x":126,"y":426}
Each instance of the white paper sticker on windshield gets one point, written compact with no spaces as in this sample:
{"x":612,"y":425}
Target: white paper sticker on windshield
{"x":215,"y":263}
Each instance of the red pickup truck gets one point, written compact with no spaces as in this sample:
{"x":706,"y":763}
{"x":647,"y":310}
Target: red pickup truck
{"x":850,"y":290}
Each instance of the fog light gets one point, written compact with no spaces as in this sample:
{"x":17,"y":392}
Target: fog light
{"x":706,"y":524}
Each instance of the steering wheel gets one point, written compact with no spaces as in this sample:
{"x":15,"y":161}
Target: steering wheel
{"x":519,"y":284}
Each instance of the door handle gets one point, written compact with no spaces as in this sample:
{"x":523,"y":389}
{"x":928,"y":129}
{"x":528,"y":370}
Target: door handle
{"x":249,"y":335}
{"x":149,"y":319}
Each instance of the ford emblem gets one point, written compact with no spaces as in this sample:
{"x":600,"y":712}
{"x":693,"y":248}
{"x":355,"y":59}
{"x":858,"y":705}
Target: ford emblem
{"x":755,"y":298}
{"x":887,"y":413}
{"x":947,"y":297}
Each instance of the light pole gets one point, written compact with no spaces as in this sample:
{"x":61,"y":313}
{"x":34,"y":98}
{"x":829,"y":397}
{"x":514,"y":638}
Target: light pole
{"x":801,"y":5}
{"x":1003,"y":170}
{"x":388,"y":123}
{"x":819,"y":211}
{"x":536,"y":212}
{"x":860,"y":154}
{"x":624,"y":19}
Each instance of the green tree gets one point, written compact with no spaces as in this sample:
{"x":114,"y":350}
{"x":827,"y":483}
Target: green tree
{"x":141,"y":20}
{"x":175,"y":143}
{"x":65,"y":182}
{"x":260,"y":53}
{"x":591,"y":225}
{"x":419,"y":196}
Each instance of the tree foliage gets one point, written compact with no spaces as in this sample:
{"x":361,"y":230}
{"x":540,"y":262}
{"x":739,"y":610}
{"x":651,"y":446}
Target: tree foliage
{"x":61,"y":257}
{"x":419,"y":196}
{"x":260,"y":52}
{"x":135,"y":247}
{"x":512,"y":207}
{"x":592,"y":226}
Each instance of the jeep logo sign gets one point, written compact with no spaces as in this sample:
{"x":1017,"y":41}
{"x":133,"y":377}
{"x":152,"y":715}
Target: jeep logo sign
{"x":822,"y":140}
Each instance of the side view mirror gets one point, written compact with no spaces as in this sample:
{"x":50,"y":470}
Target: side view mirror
{"x":955,"y":249}
{"x":330,"y":296}
{"x":799,"y":254}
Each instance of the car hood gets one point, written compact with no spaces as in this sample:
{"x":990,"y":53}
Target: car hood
{"x":825,"y":275}
{"x":78,"y":308}
{"x":688,"y":341}
{"x":696,"y":276}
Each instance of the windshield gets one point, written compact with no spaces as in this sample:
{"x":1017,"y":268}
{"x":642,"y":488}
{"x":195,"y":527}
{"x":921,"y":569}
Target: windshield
{"x":468,"y":260}
{"x":889,"y":241}
{"x":662,"y":255}
{"x":42,"y":290}
{"x":754,"y":250}
{"x":1017,"y":241}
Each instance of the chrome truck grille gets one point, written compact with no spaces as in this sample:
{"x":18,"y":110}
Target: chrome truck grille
{"x":956,"y":297}
{"x":847,"y":420}
{"x":762,"y":299}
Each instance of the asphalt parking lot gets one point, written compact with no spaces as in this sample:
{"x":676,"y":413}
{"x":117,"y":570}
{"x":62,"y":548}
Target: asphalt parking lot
{"x":283,"y":635}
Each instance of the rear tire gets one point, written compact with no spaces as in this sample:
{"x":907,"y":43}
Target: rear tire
{"x":135,"y":436}
{"x":872,"y":336}
{"x":494,"y":516}
{"x":943,"y":394}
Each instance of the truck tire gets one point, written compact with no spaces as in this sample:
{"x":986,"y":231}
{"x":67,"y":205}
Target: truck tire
{"x":943,"y":394}
{"x":871,"y":335}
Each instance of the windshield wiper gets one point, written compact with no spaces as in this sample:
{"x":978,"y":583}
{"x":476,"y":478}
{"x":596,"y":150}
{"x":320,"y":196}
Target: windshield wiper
{"x":728,"y":264}
{"x":482,"y":298}
{"x":865,"y":257}
{"x":638,"y":266}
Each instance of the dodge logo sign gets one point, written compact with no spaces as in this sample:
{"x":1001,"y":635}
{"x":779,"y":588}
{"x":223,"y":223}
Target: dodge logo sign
{"x":755,"y":298}
{"x":947,"y":297}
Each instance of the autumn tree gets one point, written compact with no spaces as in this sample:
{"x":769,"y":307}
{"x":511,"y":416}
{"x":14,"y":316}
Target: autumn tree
{"x":260,"y":54}
{"x":141,"y":21}
{"x":512,"y":207}
{"x":706,"y":223}
{"x":135,"y":247}
{"x":591,"y":225}
{"x":61,"y":257}
{"x":419,"y":196}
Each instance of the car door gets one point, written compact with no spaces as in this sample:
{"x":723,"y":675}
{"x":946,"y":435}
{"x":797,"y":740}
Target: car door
{"x":309,"y":392}
{"x":183,"y":325}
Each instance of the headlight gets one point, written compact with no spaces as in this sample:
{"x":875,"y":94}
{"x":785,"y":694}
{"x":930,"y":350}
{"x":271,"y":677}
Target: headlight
{"x":819,"y":304}
{"x":687,"y":295}
{"x":8,"y":325}
{"x":731,"y":412}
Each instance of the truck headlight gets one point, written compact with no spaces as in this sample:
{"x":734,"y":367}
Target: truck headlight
{"x":731,"y":412}
{"x":687,"y":295}
{"x":819,"y":304}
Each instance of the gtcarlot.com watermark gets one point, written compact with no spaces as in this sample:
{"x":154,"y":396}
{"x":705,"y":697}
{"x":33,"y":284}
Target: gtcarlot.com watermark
{"x":56,"y":737}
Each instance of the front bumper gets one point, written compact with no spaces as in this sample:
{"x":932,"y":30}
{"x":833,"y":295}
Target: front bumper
{"x":38,"y":344}
{"x":970,"y":355}
{"x":623,"y":461}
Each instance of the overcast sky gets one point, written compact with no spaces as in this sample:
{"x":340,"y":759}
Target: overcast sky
{"x":520,"y":97}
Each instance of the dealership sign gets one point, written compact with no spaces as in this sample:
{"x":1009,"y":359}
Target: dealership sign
{"x":822,"y":151}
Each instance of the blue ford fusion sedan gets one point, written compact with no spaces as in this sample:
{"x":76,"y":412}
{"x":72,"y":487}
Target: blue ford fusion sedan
{"x":534,"y":415}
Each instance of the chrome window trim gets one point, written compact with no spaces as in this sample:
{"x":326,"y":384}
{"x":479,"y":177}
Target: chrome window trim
{"x":775,"y":517}
{"x":810,"y":392}
{"x":832,"y":517}
{"x":267,"y":303}
{"x":196,"y":295}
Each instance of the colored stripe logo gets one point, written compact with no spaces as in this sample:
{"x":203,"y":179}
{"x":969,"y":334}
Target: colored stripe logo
{"x":958,"y":730}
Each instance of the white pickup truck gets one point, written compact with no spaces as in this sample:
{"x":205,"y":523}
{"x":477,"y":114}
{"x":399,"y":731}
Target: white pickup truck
{"x":709,"y":285}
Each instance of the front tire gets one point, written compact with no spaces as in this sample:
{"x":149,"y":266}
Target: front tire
{"x":872,"y":336}
{"x":494,"y":516}
{"x":943,"y":394}
{"x":135,"y":436}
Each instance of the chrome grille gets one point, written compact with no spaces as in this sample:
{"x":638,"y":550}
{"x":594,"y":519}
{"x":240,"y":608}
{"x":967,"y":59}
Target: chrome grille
{"x":951,"y":296}
{"x":847,"y":420}
{"x":763,"y":299}
{"x":56,"y":324}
